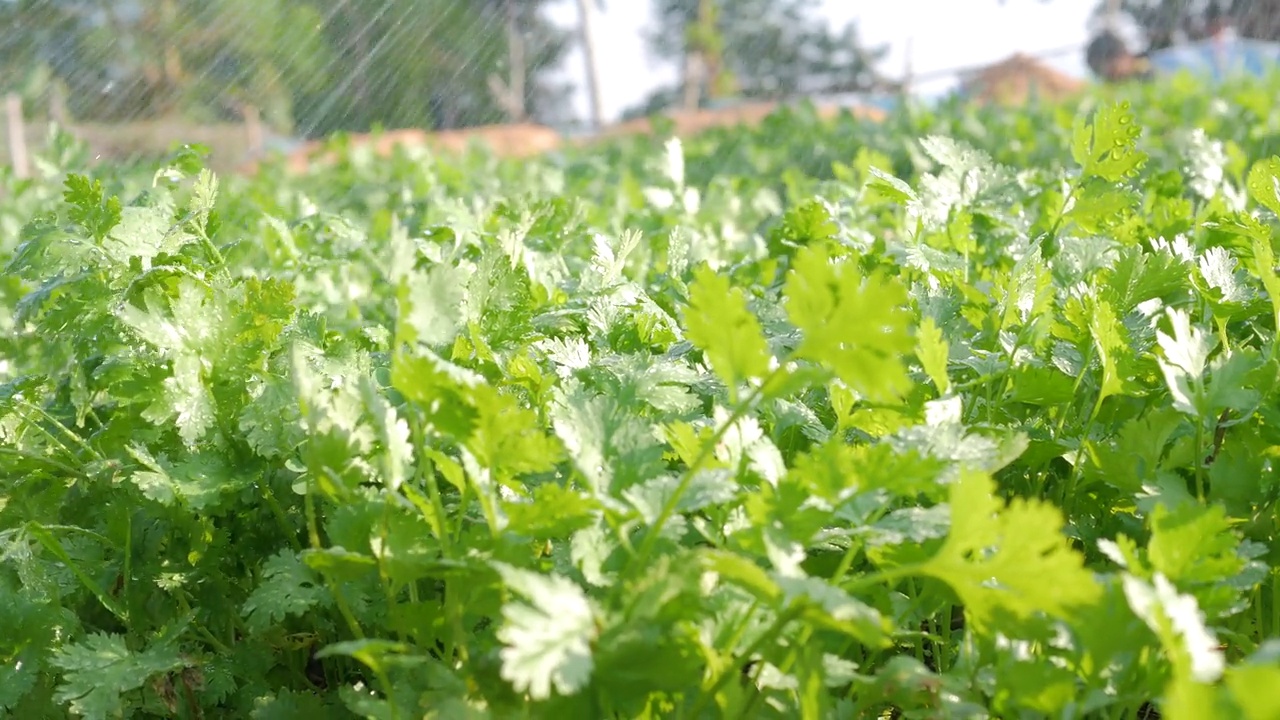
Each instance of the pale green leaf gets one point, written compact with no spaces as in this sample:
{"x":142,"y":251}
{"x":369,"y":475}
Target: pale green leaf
{"x":719,"y":323}
{"x":997,"y":556}
{"x":547,"y":639}
{"x":288,"y":587}
{"x":98,"y":670}
{"x":1107,"y":147}
{"x":858,"y":326}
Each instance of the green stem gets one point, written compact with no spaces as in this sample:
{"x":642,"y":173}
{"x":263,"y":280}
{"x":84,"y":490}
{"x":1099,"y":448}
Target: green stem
{"x":686,"y":479}
{"x":64,"y":430}
{"x":942,"y":654}
{"x":282,"y":520}
{"x":1057,"y":224}
{"x":214,"y":253}
{"x":846,"y":562}
{"x":914,"y":594}
{"x":851,"y":554}
{"x":624,"y":539}
{"x":51,"y":544}
{"x":50,"y":435}
{"x":1201,"y":492}
{"x":464,"y":497}
{"x":1075,"y":389}
{"x":1069,"y":487}
{"x":787,"y":662}
{"x":106,"y":541}
{"x":741,"y":628}
{"x":959,"y":388}
{"x":384,"y":573}
{"x":882,"y":576}
{"x":1008,"y":376}
{"x":345,"y":610}
{"x":457,"y":642}
{"x":55,"y":464}
{"x":214,"y":642}
{"x":1259,"y":615}
{"x":128,"y":558}
{"x":723,"y":676}
{"x":755,"y":691}
{"x":437,"y":506}
{"x":309,"y":505}
{"x":1275,"y":604}
{"x":426,"y":476}
{"x":313,"y":537}
{"x":184,"y":605}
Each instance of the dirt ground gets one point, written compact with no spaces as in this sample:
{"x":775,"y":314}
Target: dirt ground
{"x":231,"y":145}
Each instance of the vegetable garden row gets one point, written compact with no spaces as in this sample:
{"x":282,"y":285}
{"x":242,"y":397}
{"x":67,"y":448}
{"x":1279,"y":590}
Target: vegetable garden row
{"x":970,"y":413}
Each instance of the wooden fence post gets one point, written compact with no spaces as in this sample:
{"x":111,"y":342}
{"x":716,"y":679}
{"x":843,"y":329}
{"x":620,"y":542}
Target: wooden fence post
{"x":253,"y":129}
{"x":58,"y":107}
{"x":17,"y":136}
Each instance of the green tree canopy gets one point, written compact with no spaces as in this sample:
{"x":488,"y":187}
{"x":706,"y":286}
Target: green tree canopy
{"x":316,"y":65}
{"x":1163,"y":22}
{"x":758,"y":49}
{"x":431,"y":63}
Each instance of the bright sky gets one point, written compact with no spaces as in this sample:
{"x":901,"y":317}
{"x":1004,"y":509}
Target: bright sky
{"x":943,"y":35}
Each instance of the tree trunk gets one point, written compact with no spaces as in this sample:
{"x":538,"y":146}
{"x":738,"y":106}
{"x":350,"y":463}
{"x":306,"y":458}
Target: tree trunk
{"x":254,"y":135}
{"x":58,"y":105}
{"x":17,"y":137}
{"x":174,"y":75}
{"x":717,"y":81}
{"x":517,"y":109}
{"x":1111,"y":15}
{"x":692,"y":78}
{"x":702,"y":56}
{"x":593,"y":69}
{"x":360,"y":79}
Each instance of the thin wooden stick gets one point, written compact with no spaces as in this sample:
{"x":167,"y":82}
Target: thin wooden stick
{"x":17,"y":137}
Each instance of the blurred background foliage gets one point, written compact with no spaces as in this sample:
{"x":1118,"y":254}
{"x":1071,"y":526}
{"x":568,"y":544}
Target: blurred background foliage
{"x":312,"y":67}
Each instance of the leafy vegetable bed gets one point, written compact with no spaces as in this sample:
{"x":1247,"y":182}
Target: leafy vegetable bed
{"x":973,"y":414}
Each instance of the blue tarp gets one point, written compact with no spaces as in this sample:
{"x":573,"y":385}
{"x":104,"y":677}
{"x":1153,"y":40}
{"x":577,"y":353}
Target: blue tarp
{"x":1218,"y":59}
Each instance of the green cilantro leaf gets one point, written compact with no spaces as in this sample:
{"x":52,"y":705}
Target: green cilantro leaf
{"x":199,"y":481}
{"x":609,"y":444}
{"x":289,"y":704}
{"x":189,"y":334}
{"x":204,"y":195}
{"x":933,"y":352}
{"x":288,"y":587}
{"x":546,"y":641}
{"x":834,"y":608}
{"x":143,"y":233}
{"x":891,"y":187}
{"x":1109,"y":341}
{"x":1263,"y":183}
{"x":857,"y":325}
{"x":1177,"y":620}
{"x":1186,"y":356}
{"x":996,"y":557}
{"x":1262,"y":670}
{"x":1107,"y":147}
{"x":554,"y":511}
{"x":271,"y":421}
{"x":99,"y":670}
{"x":808,"y":223}
{"x":508,"y":436}
{"x":91,"y":207}
{"x":719,"y":323}
{"x":431,"y":306}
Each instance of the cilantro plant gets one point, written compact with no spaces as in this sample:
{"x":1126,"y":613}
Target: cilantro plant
{"x":971,"y":414}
